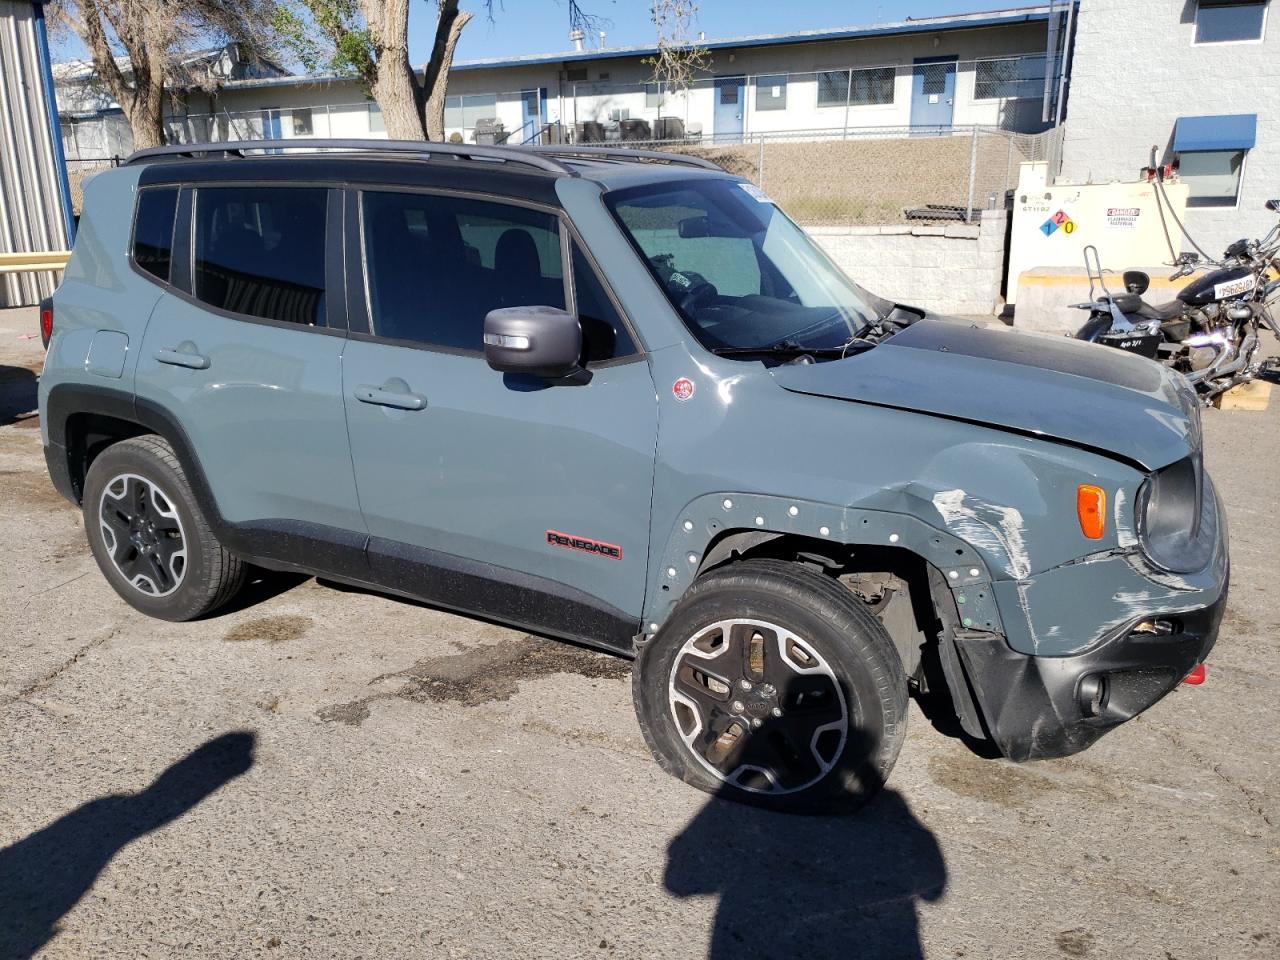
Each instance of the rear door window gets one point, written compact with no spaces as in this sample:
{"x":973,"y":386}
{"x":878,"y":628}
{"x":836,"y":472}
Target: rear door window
{"x":153,"y":230}
{"x":259,"y":251}
{"x":437,"y":265}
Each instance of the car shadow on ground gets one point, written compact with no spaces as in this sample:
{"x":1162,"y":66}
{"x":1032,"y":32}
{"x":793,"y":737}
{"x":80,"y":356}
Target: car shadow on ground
{"x":17,"y":394}
{"x":45,"y":874}
{"x":809,"y":886}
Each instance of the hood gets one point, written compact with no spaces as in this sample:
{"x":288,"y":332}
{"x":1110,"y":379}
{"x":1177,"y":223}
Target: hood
{"x":1056,"y":387}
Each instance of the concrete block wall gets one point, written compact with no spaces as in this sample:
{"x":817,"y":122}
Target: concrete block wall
{"x":947,"y":269}
{"x":1137,"y":69}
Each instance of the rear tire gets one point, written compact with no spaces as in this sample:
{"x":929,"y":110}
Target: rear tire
{"x":772,"y":684}
{"x":149,"y":535}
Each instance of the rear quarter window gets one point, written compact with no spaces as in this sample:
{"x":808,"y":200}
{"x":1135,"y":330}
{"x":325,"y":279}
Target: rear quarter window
{"x":153,"y":230}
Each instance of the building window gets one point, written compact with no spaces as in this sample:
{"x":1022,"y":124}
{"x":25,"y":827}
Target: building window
{"x":1230,"y":21}
{"x":833,"y":88}
{"x":576,"y":74}
{"x":1211,"y":152}
{"x":771,"y":92}
{"x":376,"y":123}
{"x":302,"y":122}
{"x":860,"y":88}
{"x":872,"y":87}
{"x":465,"y":111}
{"x":1012,"y":78}
{"x":653,"y":95}
{"x":1213,"y":175}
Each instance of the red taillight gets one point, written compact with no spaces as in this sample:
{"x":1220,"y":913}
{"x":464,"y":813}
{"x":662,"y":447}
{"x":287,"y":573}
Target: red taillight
{"x":46,"y":323}
{"x":1196,"y":676}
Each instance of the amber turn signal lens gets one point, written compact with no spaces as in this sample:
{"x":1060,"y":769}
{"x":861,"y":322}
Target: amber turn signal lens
{"x":1091,"y":508}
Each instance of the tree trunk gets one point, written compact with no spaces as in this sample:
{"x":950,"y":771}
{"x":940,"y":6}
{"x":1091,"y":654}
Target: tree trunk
{"x":143,"y":101}
{"x":146,"y":111}
{"x":436,"y":82}
{"x":395,"y":86}
{"x":147,"y":126}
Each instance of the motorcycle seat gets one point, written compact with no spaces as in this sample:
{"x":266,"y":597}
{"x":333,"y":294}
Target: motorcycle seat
{"x":1164,"y":311}
{"x":1131,"y":304}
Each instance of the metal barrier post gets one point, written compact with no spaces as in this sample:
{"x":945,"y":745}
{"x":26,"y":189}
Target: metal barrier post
{"x":973,"y":173}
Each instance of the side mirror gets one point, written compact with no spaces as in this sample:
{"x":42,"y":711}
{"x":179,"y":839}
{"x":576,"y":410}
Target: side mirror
{"x":542,"y":342}
{"x":1273,"y":206}
{"x":1136,"y":282}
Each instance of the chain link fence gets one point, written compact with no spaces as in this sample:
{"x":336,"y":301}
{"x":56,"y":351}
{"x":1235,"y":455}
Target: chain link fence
{"x":832,"y":178}
{"x":882,"y":176}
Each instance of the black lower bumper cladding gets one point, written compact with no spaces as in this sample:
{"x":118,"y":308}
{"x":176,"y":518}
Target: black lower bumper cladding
{"x":1043,"y":707}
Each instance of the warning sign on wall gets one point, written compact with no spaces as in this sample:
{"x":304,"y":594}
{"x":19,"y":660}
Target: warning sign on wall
{"x":1123,"y":218}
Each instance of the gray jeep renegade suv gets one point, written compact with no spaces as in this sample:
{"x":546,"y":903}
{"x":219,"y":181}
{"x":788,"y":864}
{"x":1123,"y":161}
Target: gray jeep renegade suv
{"x":621,"y":399}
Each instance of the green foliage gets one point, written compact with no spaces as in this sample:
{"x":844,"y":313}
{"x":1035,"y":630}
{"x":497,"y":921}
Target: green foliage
{"x":328,"y":36}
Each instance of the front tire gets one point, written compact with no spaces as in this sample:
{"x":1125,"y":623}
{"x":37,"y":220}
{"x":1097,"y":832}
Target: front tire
{"x":149,"y":536}
{"x":772,"y":684}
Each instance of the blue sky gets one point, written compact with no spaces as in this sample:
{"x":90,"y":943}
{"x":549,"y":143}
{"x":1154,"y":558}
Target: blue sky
{"x":542,"y":26}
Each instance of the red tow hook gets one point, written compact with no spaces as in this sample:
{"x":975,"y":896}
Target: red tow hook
{"x":1196,"y":676}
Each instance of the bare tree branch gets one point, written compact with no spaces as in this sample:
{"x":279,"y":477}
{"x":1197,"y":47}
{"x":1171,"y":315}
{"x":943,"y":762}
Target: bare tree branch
{"x":156,"y":36}
{"x":680,"y":57}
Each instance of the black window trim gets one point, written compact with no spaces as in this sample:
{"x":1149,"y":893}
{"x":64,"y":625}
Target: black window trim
{"x":358,"y":269}
{"x":173,"y":235}
{"x":330,"y":233}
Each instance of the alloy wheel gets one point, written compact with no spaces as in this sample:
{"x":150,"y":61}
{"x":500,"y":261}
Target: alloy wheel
{"x":758,"y":706}
{"x":143,"y":534}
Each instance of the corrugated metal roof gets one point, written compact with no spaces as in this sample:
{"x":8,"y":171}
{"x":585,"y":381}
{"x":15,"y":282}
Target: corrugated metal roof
{"x":31,"y":194}
{"x":963,"y":21}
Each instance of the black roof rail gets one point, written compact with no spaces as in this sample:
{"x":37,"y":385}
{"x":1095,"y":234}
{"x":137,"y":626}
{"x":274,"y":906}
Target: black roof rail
{"x":618,"y":153}
{"x":411,"y":148}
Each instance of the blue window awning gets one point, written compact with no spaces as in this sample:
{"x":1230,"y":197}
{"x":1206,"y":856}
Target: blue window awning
{"x":1230,"y":132}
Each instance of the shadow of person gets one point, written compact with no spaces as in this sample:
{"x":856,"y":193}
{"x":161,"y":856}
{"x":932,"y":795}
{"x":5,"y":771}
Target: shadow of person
{"x":810,"y":886}
{"x":45,"y":875}
{"x":18,"y":387}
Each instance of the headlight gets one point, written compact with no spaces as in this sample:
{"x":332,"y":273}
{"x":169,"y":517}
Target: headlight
{"x":1177,"y":518}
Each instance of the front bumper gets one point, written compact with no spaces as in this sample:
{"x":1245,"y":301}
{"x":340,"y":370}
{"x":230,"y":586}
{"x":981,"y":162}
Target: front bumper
{"x":1041,"y":707}
{"x":1047,"y":690}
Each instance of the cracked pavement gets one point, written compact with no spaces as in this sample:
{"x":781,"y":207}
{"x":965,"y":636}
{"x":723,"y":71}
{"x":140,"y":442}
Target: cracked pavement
{"x":321,"y":772}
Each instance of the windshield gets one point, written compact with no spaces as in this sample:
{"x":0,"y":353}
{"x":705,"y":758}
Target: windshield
{"x":741,"y":273}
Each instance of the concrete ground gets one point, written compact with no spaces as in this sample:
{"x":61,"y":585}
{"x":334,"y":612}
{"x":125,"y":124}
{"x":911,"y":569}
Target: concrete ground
{"x":326,"y":773}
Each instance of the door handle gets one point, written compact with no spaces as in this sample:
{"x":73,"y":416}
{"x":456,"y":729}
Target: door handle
{"x":379,"y":396}
{"x":183,"y":358}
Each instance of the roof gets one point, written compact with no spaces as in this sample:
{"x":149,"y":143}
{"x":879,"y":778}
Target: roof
{"x":962,"y":21}
{"x":69,"y":70}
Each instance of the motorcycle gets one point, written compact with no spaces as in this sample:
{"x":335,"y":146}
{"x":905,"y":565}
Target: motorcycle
{"x":1210,"y":333}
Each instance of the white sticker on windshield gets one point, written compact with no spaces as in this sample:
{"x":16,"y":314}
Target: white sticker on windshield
{"x":755,"y":192}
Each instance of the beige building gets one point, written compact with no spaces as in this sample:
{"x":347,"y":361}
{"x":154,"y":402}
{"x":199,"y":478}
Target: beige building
{"x":924,"y":76}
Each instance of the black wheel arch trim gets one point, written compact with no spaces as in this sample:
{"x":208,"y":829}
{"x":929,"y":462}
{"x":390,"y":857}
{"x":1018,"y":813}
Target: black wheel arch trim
{"x":522,"y":600}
